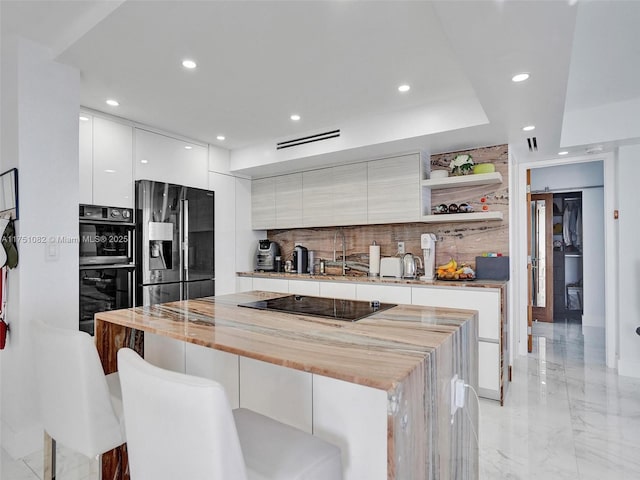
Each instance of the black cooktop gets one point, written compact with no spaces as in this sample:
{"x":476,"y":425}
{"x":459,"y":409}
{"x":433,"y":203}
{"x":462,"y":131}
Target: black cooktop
{"x":335,"y":308}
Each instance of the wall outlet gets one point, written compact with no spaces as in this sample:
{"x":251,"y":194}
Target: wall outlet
{"x":401,"y":248}
{"x":457,"y":394}
{"x":454,"y":382}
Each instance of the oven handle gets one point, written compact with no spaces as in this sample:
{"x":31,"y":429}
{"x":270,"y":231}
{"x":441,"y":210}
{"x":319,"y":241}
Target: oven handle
{"x":107,"y":266}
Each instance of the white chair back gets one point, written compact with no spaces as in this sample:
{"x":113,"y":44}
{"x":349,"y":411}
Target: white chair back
{"x":75,"y":402}
{"x":178,"y":426}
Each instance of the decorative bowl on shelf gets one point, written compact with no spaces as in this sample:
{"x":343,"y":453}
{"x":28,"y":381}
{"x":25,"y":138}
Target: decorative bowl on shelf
{"x":437,"y":174}
{"x":484,"y":168}
{"x":461,"y":165}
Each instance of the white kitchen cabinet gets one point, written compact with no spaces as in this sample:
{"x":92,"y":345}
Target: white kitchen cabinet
{"x":224,"y":187}
{"x":105,"y":162}
{"x":488,"y":368}
{"x":317,"y":197}
{"x":216,"y":365}
{"x":112,"y":163}
{"x":289,"y":200}
{"x":263,"y":203}
{"x":171,"y":160}
{"x":492,"y":349}
{"x":271,"y":284}
{"x":335,"y":196}
{"x":343,"y":423}
{"x":393,"y":190}
{"x":485,"y":300}
{"x":384,"y":293}
{"x":244,"y":284}
{"x":281,"y":393}
{"x":164,"y":352}
{"x":85,"y":155}
{"x":338,"y":290}
{"x":349,"y":194}
{"x":304,"y":287}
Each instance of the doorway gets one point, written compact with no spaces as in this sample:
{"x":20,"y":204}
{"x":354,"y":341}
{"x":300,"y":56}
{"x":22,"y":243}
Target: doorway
{"x":588,"y":302}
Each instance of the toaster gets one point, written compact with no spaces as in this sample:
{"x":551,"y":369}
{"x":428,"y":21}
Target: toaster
{"x":391,"y":267}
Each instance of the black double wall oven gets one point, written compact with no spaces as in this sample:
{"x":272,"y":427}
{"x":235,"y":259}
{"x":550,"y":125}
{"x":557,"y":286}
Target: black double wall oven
{"x":107,"y":267}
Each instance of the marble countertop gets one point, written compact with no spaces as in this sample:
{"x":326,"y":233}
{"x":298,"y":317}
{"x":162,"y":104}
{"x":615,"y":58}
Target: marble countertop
{"x":378,"y":280}
{"x":378,"y":351}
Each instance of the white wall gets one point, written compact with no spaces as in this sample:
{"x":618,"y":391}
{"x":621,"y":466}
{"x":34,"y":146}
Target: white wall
{"x":567,"y":177}
{"x":593,"y":259}
{"x":629,"y":260}
{"x":42,"y":140}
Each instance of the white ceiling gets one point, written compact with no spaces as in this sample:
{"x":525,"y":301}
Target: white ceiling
{"x":338,"y":62}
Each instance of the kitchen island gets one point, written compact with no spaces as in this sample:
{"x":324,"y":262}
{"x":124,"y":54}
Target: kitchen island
{"x":379,"y":388}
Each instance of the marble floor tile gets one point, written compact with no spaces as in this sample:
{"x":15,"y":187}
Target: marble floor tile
{"x":566,"y":416}
{"x":70,"y":466}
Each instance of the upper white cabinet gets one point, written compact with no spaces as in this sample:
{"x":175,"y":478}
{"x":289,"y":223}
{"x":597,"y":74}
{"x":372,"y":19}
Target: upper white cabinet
{"x":394,"y":190}
{"x":317,"y":197}
{"x":335,"y":196}
{"x":349,"y":194}
{"x":167,"y":159}
{"x":380,"y":191}
{"x":112,"y":158}
{"x":105,"y":162}
{"x":263,"y":203}
{"x":85,"y":154}
{"x":289,"y":201}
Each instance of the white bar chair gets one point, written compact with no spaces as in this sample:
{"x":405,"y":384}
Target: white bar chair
{"x":180,"y":426}
{"x":80,"y":407}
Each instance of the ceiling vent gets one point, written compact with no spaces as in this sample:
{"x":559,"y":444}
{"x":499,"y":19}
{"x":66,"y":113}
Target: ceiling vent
{"x":309,"y":139}
{"x":533,"y":144}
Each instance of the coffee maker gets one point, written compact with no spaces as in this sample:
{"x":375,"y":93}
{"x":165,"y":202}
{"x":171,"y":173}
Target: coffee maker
{"x":266,"y":256}
{"x":301,"y":259}
{"x":428,"y":245}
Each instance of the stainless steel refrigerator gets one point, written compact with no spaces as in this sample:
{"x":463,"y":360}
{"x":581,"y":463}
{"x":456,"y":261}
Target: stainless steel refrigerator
{"x":175,"y":242}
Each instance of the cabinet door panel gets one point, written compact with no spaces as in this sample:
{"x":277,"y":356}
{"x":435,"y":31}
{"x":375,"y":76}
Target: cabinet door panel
{"x":384,"y":293}
{"x":289,"y":201}
{"x":338,"y":290}
{"x":216,"y":365}
{"x":263,"y":203}
{"x":85,"y":155}
{"x":394,"y":190}
{"x":112,"y":163}
{"x":317,"y":198}
{"x":281,"y":393}
{"x":349,"y":194}
{"x":304,"y":287}
{"x":165,"y":159}
{"x":489,"y":367}
{"x":485,"y":301}
{"x":271,"y":285}
{"x":164,"y":352}
{"x":354,"y":418}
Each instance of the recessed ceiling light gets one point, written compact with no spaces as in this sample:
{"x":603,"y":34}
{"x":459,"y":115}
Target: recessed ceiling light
{"x":295,"y":117}
{"x":520,"y":77}
{"x":528,"y":128}
{"x":188,"y":147}
{"x":404,"y":88}
{"x":108,"y":170}
{"x":189,"y":64}
{"x":144,"y":161}
{"x":220,"y":137}
{"x":113,"y":103}
{"x":84,"y":119}
{"x":564,"y":152}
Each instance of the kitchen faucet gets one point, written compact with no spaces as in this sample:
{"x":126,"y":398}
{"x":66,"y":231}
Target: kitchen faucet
{"x":344,"y":250}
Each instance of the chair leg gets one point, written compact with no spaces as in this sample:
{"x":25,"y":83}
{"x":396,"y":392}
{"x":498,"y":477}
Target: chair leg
{"x":49,"y":457}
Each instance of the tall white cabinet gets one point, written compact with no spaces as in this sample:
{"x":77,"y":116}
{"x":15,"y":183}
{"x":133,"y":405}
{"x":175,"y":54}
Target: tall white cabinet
{"x":105,"y":162}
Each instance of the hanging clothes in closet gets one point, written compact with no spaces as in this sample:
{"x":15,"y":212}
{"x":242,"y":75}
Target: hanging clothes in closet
{"x":572,"y":225}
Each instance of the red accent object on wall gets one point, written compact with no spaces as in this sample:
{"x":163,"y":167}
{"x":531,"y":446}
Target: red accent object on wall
{"x":3,"y":334}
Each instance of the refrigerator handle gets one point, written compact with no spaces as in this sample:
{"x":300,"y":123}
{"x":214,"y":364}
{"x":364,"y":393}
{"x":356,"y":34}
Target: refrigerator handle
{"x":185,"y":238}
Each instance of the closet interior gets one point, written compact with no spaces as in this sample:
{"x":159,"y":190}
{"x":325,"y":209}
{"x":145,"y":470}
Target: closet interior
{"x":567,"y":255}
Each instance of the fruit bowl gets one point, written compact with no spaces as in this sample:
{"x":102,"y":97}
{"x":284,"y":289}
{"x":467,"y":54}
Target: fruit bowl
{"x":453,"y":271}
